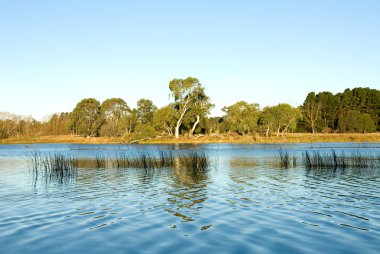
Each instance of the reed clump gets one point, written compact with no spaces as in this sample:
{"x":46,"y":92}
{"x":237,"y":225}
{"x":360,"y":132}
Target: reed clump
{"x":144,"y":160}
{"x":286,"y":160}
{"x":166,"y":158}
{"x":196,"y":161}
{"x":317,"y":160}
{"x":333,"y":160}
{"x":53,"y":166}
{"x":326,"y":160}
{"x":359,"y":160}
{"x":100,"y":161}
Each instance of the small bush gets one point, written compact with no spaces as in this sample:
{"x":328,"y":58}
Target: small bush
{"x":143,"y":131}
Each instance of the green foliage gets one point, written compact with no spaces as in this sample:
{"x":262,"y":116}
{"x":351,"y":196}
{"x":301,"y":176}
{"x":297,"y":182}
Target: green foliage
{"x":115,"y":113}
{"x":143,"y":131}
{"x":184,"y":90}
{"x":58,"y":125}
{"x":279,"y":119}
{"x":194,"y":120}
{"x":368,"y":123}
{"x":311,"y":110}
{"x":86,"y":118}
{"x":356,"y":110}
{"x":354,"y":121}
{"x":327,"y":112}
{"x":364,"y":100}
{"x":115,"y":109}
{"x":189,"y":96}
{"x":242,"y":117}
{"x":164,"y":120}
{"x":145,"y":111}
{"x":130,"y":122}
{"x":216,"y":125}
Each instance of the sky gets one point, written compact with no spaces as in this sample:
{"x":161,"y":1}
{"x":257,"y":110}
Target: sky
{"x":53,"y":53}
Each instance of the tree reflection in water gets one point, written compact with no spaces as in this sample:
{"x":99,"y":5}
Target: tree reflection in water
{"x":188,"y":192}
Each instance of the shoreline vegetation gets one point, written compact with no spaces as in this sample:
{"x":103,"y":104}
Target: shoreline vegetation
{"x":202,"y":139}
{"x":350,"y":116}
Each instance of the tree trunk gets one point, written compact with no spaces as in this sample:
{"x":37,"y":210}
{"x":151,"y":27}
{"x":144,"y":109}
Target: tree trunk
{"x":267,"y":132}
{"x":194,"y":126}
{"x":168,"y":129}
{"x":285,"y":130}
{"x":177,"y":129}
{"x":313,"y":127}
{"x":179,"y":122}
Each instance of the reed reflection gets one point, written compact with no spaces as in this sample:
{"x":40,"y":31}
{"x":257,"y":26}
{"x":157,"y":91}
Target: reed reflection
{"x":52,"y":168}
{"x":188,"y":189}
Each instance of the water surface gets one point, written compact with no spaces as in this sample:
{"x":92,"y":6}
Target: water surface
{"x":243,"y":203}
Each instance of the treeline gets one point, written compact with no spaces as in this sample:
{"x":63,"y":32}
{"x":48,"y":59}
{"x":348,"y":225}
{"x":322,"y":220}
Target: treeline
{"x":59,"y":124}
{"x":356,"y":110}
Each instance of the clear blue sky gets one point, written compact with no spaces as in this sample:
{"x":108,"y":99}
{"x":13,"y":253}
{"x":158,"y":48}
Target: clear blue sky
{"x":55,"y":53}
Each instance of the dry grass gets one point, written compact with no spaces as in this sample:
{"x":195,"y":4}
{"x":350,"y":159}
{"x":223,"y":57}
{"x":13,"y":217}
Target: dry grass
{"x":61,"y":139}
{"x":288,"y":138}
{"x":202,"y":139}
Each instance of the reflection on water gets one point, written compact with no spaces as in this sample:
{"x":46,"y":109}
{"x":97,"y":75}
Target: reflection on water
{"x":190,"y":168}
{"x":242,"y":162}
{"x":246,"y":203}
{"x":187,"y":193}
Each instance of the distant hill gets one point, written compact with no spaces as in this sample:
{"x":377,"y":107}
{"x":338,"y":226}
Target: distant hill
{"x":14,"y":117}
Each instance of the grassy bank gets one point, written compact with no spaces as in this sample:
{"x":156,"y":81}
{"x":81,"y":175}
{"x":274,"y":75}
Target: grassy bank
{"x":288,"y":138}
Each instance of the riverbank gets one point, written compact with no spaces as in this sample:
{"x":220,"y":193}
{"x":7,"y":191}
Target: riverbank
{"x":203,"y":139}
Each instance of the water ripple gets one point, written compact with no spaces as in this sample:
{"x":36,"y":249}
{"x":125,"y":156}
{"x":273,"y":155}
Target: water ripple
{"x":238,"y":207}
